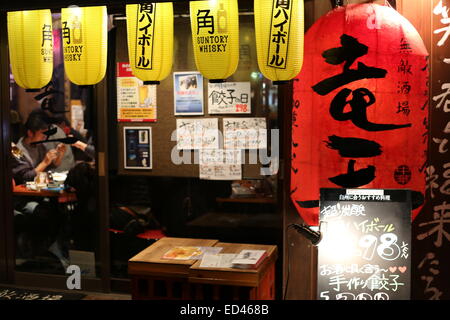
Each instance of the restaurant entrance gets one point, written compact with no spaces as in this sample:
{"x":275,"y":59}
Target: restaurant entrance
{"x":45,"y":229}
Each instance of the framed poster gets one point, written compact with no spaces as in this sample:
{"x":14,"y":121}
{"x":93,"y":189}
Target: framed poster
{"x":137,"y":147}
{"x":229,"y":98}
{"x":188,"y":93}
{"x":365,"y":252}
{"x":136,"y":102}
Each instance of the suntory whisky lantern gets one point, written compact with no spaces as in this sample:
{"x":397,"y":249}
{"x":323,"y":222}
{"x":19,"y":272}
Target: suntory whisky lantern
{"x":31,"y":47}
{"x":279,"y":28}
{"x":360,"y":107}
{"x":84,"y":37}
{"x":215,"y":37}
{"x":150,"y":40}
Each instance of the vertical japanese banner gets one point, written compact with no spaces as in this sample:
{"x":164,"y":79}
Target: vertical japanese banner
{"x":431,"y":229}
{"x":279,"y":38}
{"x":150,"y":40}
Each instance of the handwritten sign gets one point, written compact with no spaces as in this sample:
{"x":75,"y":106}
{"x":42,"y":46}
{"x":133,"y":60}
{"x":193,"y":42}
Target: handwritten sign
{"x":365,"y":253}
{"x":197,"y":134}
{"x":229,"y":97}
{"x":220,"y":164}
{"x":220,"y":172}
{"x":245,"y":133}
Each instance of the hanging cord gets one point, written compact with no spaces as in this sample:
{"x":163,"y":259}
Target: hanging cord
{"x":314,"y":236}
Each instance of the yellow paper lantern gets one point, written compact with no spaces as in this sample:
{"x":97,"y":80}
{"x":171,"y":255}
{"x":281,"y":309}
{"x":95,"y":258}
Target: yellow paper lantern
{"x":279,"y":38}
{"x":85,"y":38}
{"x":150,"y":40}
{"x":31,"y":47}
{"x":215,"y":37}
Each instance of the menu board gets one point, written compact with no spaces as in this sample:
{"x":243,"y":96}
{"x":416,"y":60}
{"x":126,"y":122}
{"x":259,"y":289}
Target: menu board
{"x":365,"y":252}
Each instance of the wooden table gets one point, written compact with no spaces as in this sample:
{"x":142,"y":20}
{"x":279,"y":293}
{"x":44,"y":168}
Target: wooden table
{"x":249,"y":284}
{"x":157,"y":278}
{"x":63,"y":196}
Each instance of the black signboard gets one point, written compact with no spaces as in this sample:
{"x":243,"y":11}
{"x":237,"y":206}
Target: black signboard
{"x":137,"y":147}
{"x":365,"y":252}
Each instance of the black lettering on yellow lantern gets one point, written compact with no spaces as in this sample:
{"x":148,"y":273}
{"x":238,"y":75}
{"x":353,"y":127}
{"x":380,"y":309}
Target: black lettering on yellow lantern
{"x":84,"y":36}
{"x":150,"y":40}
{"x":279,"y":26}
{"x":30,"y":40}
{"x":215,"y":37}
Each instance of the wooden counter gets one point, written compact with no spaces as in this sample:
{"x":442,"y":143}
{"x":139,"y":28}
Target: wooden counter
{"x":149,"y":261}
{"x":234,"y":276}
{"x":157,"y":278}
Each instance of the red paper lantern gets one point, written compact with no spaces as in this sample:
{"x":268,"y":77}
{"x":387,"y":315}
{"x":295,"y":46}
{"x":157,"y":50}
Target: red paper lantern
{"x":360,"y":106}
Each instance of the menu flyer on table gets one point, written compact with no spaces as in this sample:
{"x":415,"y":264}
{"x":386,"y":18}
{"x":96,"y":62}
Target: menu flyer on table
{"x":136,"y":102}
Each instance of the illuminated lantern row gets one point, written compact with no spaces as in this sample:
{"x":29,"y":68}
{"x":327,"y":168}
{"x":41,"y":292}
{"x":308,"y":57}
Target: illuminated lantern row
{"x":360,"y":106}
{"x":215,"y":37}
{"x":84,"y":37}
{"x":150,"y":40}
{"x":31,"y":48}
{"x":279,"y":38}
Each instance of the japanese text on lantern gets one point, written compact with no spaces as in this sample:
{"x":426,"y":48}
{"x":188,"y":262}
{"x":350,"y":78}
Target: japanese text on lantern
{"x":72,"y":35}
{"x":362,"y":98}
{"x":144,"y":36}
{"x":280,"y":25}
{"x":47,"y":51}
{"x":212,"y":39}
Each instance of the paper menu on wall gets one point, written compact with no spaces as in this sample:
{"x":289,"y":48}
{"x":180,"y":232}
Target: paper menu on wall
{"x":245,"y":133}
{"x":223,"y":260}
{"x":229,"y":97}
{"x":221,"y":172}
{"x":197,"y":134}
{"x":220,"y":156}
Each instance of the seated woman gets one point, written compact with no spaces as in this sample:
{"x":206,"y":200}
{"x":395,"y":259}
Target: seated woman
{"x":28,"y":160}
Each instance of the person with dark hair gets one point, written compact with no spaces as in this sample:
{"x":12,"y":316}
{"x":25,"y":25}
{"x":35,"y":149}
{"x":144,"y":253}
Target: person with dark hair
{"x":28,"y":159}
{"x":83,"y":146}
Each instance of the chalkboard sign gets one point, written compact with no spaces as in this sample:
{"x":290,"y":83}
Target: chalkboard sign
{"x":365,"y":252}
